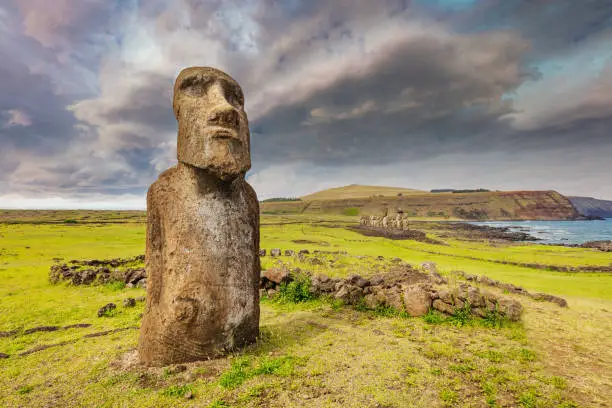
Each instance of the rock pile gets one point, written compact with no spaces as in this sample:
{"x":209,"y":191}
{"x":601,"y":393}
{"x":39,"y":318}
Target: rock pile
{"x":485,"y":280}
{"x":403,"y":289}
{"x":276,"y":252}
{"x":88,"y":272}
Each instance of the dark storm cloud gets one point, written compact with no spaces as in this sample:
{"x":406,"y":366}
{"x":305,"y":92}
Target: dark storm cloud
{"x":333,"y":84}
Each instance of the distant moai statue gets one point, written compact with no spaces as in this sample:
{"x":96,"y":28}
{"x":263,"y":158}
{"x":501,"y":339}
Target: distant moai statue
{"x":202,"y":239}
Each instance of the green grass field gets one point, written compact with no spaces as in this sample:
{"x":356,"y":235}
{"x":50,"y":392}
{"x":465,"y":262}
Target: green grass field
{"x":316,"y":353}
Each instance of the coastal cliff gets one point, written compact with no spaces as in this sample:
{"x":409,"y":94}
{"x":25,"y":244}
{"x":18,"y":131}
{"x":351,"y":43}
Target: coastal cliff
{"x":480,"y":205}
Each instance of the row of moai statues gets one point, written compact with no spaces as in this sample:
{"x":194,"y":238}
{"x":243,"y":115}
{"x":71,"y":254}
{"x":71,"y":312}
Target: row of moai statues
{"x":398,"y":221}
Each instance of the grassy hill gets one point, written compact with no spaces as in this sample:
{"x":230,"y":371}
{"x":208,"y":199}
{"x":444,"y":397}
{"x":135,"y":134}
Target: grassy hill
{"x":490,"y":205}
{"x":358,"y":191}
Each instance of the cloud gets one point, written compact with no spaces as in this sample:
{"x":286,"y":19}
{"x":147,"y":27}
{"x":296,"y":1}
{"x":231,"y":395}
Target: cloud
{"x":17,"y":117}
{"x":329,"y":85}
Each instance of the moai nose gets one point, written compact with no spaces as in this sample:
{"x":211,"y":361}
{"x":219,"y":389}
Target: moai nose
{"x":224,"y":116}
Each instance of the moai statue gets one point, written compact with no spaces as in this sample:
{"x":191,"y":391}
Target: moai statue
{"x":405,"y":223}
{"x":398,"y":221}
{"x":202,"y":230}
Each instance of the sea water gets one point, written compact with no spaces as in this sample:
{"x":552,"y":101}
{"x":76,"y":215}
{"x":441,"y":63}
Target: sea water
{"x":559,"y":232}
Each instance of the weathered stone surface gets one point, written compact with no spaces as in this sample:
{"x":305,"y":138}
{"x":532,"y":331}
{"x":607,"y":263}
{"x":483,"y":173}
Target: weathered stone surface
{"x":393,"y":298}
{"x":275,"y":252}
{"x":510,"y":308}
{"x":322,"y":285}
{"x":276,"y":276}
{"x":443,"y":307}
{"x":262,"y":252}
{"x":202,"y":230}
{"x":417,"y":300}
{"x":479,"y":311}
{"x":474,"y":298}
{"x":549,"y":298}
{"x":106,"y":309}
{"x":129,"y":302}
{"x":289,"y":252}
{"x":445,"y":296}
{"x":304,"y":252}
{"x":358,"y":281}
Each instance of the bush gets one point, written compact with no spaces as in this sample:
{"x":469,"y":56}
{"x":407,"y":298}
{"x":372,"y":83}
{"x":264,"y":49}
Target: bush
{"x":462,"y":316}
{"x":296,"y":291}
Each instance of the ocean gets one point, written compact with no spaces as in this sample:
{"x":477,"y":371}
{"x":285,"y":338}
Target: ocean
{"x":559,"y":232}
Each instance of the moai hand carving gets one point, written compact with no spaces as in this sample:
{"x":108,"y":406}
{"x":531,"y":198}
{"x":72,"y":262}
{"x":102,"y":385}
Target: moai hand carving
{"x":203,"y":230}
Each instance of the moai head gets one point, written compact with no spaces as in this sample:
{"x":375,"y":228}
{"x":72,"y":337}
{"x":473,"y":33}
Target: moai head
{"x":213,"y":127}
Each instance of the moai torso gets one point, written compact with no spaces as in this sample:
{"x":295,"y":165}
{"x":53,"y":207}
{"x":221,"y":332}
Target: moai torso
{"x":203,"y":272}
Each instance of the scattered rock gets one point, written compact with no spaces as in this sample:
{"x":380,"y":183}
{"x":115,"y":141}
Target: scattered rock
{"x":357,"y":280}
{"x":275,"y":252}
{"x":4,"y":355}
{"x":417,"y":300}
{"x":549,"y":298}
{"x":443,"y":307}
{"x":129,"y":302}
{"x":289,"y":252}
{"x":262,"y":252}
{"x":510,"y":308}
{"x":141,"y":298}
{"x":304,"y":252}
{"x":275,"y":276}
{"x":104,"y":310}
{"x":41,"y":329}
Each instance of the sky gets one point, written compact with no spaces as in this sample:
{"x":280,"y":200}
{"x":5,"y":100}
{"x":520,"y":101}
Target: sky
{"x":426,"y":94}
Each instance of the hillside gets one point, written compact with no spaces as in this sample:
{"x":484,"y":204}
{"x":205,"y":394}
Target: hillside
{"x":358,"y":191}
{"x":498,"y":205}
{"x":590,"y":206}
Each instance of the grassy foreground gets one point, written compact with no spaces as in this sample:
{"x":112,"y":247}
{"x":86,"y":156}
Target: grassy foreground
{"x":315,"y":353}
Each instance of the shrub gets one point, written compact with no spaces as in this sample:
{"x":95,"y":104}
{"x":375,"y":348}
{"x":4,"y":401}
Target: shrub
{"x":434,"y":317}
{"x":462,"y":316}
{"x":296,"y":291}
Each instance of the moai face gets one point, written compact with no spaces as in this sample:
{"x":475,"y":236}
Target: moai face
{"x":213,"y":127}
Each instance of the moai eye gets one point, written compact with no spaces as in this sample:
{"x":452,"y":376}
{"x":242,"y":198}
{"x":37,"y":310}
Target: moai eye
{"x":235,"y":97}
{"x":196,"y":85}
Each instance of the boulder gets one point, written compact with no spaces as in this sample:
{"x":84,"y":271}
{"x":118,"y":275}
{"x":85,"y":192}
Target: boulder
{"x":276,"y":276}
{"x":549,"y":298}
{"x":289,"y":252}
{"x":129,"y":302}
{"x":349,"y":294}
{"x":262,"y":252}
{"x":417,"y":300}
{"x":106,"y":309}
{"x":357,"y":280}
{"x":275,"y":252}
{"x":511,"y":308}
{"x":322,"y":285}
{"x":474,"y":298}
{"x":443,"y":307}
{"x":393,"y":298}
